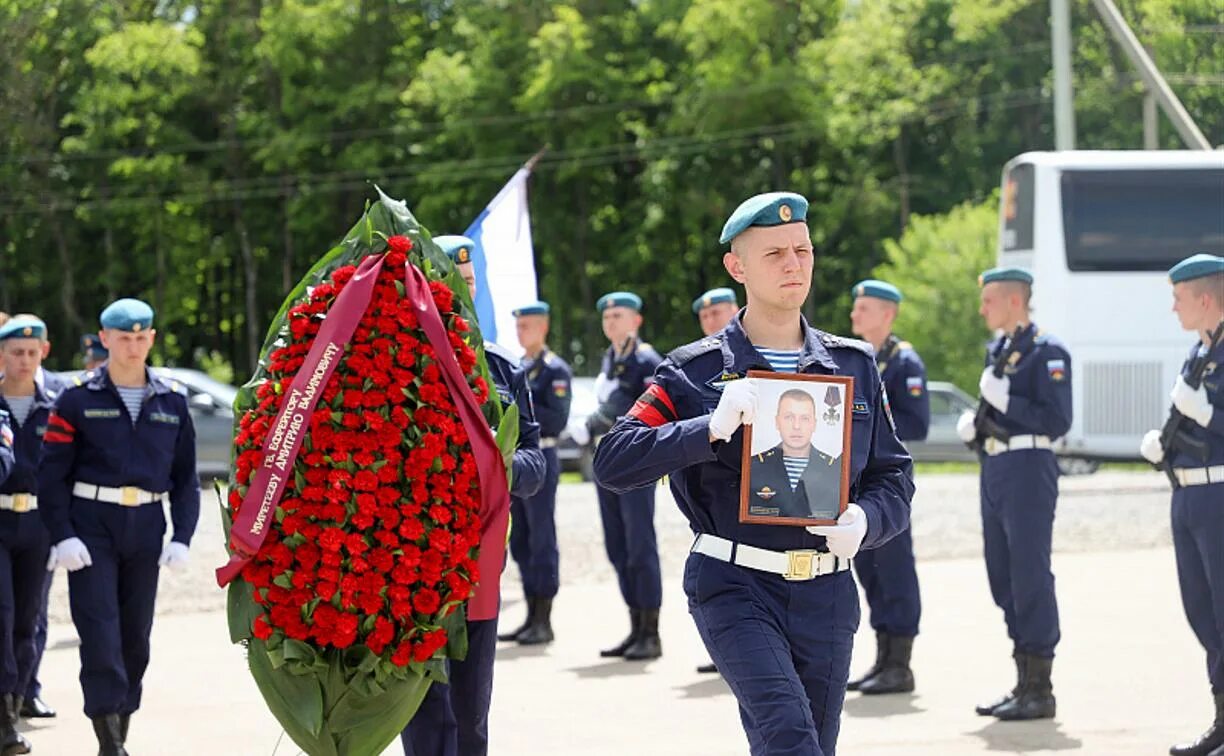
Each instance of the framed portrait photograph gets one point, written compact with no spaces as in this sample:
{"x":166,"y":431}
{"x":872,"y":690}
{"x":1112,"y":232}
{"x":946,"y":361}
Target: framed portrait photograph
{"x":796,"y":465}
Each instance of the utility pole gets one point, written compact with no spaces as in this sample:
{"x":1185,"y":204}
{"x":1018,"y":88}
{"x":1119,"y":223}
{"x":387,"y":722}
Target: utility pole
{"x":1156,"y":84}
{"x":1064,"y":101}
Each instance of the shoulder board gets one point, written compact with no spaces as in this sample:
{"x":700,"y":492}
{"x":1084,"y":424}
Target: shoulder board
{"x":553,"y":360}
{"x":497,"y":350}
{"x":177,"y":387}
{"x":830,"y":340}
{"x":905,"y":345}
{"x":682,"y":354}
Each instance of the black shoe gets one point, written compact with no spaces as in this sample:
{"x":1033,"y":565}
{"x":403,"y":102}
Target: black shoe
{"x":109,"y":730}
{"x":11,"y":741}
{"x":1036,"y":697}
{"x":648,"y":645}
{"x":707,"y":669}
{"x":539,"y":630}
{"x":36,"y":708}
{"x":881,"y":651}
{"x":514,"y":634}
{"x":986,"y":710}
{"x":620,"y":648}
{"x":895,"y":675}
{"x":1210,"y":743}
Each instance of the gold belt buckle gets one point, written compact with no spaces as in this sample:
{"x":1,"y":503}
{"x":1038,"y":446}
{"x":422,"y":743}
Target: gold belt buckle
{"x":129,"y":496}
{"x":992,"y":445}
{"x":21,"y":502}
{"x":801,"y":565}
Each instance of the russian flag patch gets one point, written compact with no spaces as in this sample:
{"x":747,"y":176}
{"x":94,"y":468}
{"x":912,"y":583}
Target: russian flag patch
{"x":1057,"y":369}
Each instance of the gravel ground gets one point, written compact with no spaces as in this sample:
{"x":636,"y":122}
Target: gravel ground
{"x":1107,"y":511}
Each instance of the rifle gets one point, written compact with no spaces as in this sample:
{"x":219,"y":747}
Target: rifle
{"x":986,"y":426}
{"x":1175,"y":436}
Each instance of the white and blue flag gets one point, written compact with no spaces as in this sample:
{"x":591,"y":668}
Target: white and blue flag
{"x":504,"y":261}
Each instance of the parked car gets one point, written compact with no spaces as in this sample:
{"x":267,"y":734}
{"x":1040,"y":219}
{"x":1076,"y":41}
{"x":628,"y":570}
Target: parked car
{"x":575,"y":458}
{"x":210,"y":403}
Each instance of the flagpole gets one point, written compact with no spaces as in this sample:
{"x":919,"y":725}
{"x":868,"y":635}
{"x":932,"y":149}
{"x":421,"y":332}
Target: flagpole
{"x":529,"y":166}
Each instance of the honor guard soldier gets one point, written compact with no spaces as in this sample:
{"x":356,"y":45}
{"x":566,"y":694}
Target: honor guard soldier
{"x":888,"y":574}
{"x":93,"y":353}
{"x":714,"y":309}
{"x":1192,"y":453}
{"x":775,"y":605}
{"x":118,"y":444}
{"x":1025,"y":405}
{"x":26,"y":397}
{"x":628,"y":515}
{"x":533,"y":537}
{"x":453,"y":718}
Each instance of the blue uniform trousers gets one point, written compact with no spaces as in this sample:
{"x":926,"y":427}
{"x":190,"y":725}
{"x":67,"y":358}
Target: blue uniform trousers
{"x":1019,"y":490}
{"x":783,"y":647}
{"x":1198,"y":543}
{"x":890,"y":581}
{"x":24,"y":545}
{"x":112,"y":601}
{"x":533,"y":533}
{"x":453,"y":719}
{"x":629,"y":538}
{"x":34,"y":688}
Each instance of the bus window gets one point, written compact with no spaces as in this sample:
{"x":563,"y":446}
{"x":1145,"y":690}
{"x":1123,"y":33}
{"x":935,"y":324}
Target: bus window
{"x":1018,"y":208}
{"x":1141,"y":220}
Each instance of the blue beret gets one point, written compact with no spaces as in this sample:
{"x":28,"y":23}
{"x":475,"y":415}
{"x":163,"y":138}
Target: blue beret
{"x":91,"y":347}
{"x":771,"y":209}
{"x":1005,"y":274}
{"x":1196,"y":266}
{"x":532,"y":308}
{"x":23,"y":328}
{"x":878,"y":289}
{"x":619,"y":299}
{"x":713,"y":297}
{"x":457,"y":248}
{"x":127,"y":315}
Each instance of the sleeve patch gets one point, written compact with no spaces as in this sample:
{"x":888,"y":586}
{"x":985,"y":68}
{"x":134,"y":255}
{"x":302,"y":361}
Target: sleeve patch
{"x":913,"y":385}
{"x":6,"y":435}
{"x":1057,"y":369}
{"x":654,"y":407}
{"x":561,"y":388}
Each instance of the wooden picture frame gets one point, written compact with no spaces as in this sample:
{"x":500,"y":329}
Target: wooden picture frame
{"x":823,"y":489}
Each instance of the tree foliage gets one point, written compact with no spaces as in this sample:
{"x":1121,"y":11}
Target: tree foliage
{"x":202,"y":155}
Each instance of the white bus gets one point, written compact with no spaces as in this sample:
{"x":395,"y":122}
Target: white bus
{"x":1099,"y":231}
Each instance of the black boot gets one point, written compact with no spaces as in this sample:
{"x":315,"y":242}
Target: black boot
{"x":647,"y":645}
{"x":986,"y":710}
{"x":124,"y":721}
{"x":11,"y":741}
{"x":895,"y":675}
{"x":1209,"y":743}
{"x":1036,"y":697}
{"x":109,"y":729}
{"x":36,"y":708}
{"x":707,"y":669}
{"x":881,"y":652}
{"x":540,"y":628}
{"x":619,"y":649}
{"x":514,"y":634}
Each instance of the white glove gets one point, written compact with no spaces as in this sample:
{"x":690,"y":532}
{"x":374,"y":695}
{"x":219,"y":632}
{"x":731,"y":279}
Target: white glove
{"x":995,"y":390}
{"x":964,"y":427}
{"x":174,"y":555}
{"x":604,"y":386}
{"x":1149,"y":447}
{"x":70,"y":554}
{"x":736,"y":407}
{"x":847,"y":535}
{"x":1192,"y":403}
{"x":579,"y":433}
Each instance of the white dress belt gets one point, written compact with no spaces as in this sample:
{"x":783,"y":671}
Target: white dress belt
{"x":127,"y":496}
{"x":19,"y":502}
{"x":1199,"y":476}
{"x":801,"y":564}
{"x":995,"y":447}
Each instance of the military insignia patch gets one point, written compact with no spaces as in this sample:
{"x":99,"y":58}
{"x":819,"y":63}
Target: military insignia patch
{"x":913,"y":385}
{"x":719,"y":382}
{"x":101,"y":413}
{"x":6,"y":435}
{"x":766,"y":492}
{"x":784,"y":212}
{"x":40,"y":430}
{"x":832,"y":400}
{"x":463,"y":256}
{"x":164,"y":417}
{"x":1057,"y":369}
{"x":859,"y":408}
{"x":560,"y":388}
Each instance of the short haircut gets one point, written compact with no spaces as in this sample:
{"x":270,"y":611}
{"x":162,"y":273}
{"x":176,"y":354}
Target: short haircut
{"x":798,"y":395}
{"x":1024,"y":289}
{"x":1211,"y":285}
